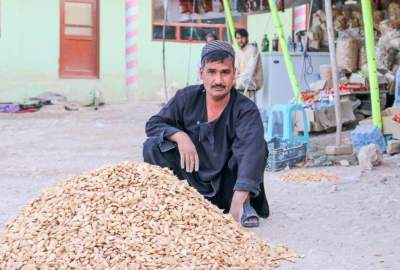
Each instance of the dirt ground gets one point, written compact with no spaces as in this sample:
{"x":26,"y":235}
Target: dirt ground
{"x":353,"y":223}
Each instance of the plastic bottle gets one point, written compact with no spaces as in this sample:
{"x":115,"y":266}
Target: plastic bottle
{"x":290,"y":44}
{"x":299,"y":44}
{"x":265,"y":44}
{"x":275,"y":43}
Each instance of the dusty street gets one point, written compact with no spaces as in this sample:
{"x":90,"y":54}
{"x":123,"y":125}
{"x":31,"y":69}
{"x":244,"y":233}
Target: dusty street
{"x":353,"y":226}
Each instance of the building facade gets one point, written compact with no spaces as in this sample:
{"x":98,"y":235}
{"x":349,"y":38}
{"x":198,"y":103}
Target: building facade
{"x":67,"y":47}
{"x":72,"y":47}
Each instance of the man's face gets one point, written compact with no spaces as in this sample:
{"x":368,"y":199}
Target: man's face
{"x":241,"y":41}
{"x":209,"y":39}
{"x":218,"y":78}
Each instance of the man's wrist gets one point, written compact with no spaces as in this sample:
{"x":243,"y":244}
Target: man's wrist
{"x":177,"y":136}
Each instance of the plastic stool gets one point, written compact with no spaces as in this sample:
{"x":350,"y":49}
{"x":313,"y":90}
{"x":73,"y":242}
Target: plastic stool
{"x":287,"y":133}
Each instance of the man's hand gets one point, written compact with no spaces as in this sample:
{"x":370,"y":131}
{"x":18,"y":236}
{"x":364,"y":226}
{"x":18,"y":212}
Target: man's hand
{"x":238,"y":199}
{"x":187,"y":151}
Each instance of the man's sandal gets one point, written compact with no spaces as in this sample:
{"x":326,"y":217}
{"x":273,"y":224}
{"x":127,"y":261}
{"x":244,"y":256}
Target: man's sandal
{"x":249,"y":217}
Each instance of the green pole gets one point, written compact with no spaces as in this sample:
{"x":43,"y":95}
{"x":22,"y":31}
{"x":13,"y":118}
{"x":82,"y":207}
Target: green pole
{"x":371,"y":57}
{"x":285,"y":50}
{"x":231,"y":25}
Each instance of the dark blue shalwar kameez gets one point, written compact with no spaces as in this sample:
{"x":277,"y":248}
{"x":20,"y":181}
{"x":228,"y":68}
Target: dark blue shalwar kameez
{"x":231,"y":149}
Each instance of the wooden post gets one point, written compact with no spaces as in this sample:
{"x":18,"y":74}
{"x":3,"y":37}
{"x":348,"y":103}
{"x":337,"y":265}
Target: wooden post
{"x":332,"y":53}
{"x":339,"y":148}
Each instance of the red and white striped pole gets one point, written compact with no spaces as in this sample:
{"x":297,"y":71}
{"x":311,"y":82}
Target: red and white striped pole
{"x":131,"y":11}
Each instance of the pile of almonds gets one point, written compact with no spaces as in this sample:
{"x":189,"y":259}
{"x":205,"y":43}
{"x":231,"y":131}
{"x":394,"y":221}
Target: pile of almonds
{"x":307,"y":177}
{"x":130,"y":216}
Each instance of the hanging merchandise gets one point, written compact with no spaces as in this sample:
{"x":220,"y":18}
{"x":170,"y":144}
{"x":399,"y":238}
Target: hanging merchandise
{"x":212,"y":5}
{"x":340,"y":22}
{"x":218,"y":6}
{"x":394,"y":11}
{"x":377,"y":4}
{"x":319,"y":18}
{"x":388,"y":45}
{"x":315,"y":37}
{"x":182,"y":10}
{"x":186,"y":6}
{"x":378,"y":17}
{"x":207,"y":5}
{"x":249,"y":6}
{"x":362,"y":58}
{"x":355,"y":20}
{"x":347,"y":53}
{"x":281,"y":6}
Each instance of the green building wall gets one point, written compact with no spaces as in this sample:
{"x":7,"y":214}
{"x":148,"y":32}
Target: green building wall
{"x":30,"y":46}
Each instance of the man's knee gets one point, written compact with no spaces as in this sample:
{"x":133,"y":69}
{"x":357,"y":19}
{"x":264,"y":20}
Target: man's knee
{"x":151,"y":150}
{"x":163,"y":153}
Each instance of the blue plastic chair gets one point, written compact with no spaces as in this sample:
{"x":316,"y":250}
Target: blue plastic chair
{"x":287,"y":131}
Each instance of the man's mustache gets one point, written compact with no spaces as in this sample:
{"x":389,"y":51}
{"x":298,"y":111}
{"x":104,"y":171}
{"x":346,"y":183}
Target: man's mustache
{"x":218,"y":86}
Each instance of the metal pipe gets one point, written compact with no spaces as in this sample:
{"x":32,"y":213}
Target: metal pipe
{"x":131,"y":47}
{"x":231,"y":25}
{"x":371,"y":57}
{"x":285,"y":51}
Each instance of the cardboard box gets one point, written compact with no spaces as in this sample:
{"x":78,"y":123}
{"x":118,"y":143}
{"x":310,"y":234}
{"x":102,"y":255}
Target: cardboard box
{"x":324,"y":119}
{"x":390,"y":127}
{"x":357,"y":79}
{"x":393,"y":147}
{"x":318,"y":85}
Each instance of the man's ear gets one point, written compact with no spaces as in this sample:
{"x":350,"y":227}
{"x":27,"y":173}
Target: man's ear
{"x":234,"y":76}
{"x":201,"y":71}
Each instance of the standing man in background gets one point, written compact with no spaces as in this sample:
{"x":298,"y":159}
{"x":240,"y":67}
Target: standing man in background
{"x":249,"y":74}
{"x":211,"y":37}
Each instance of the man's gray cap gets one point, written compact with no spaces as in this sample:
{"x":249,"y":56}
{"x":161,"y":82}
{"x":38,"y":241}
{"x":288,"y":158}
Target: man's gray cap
{"x":217,"y":45}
